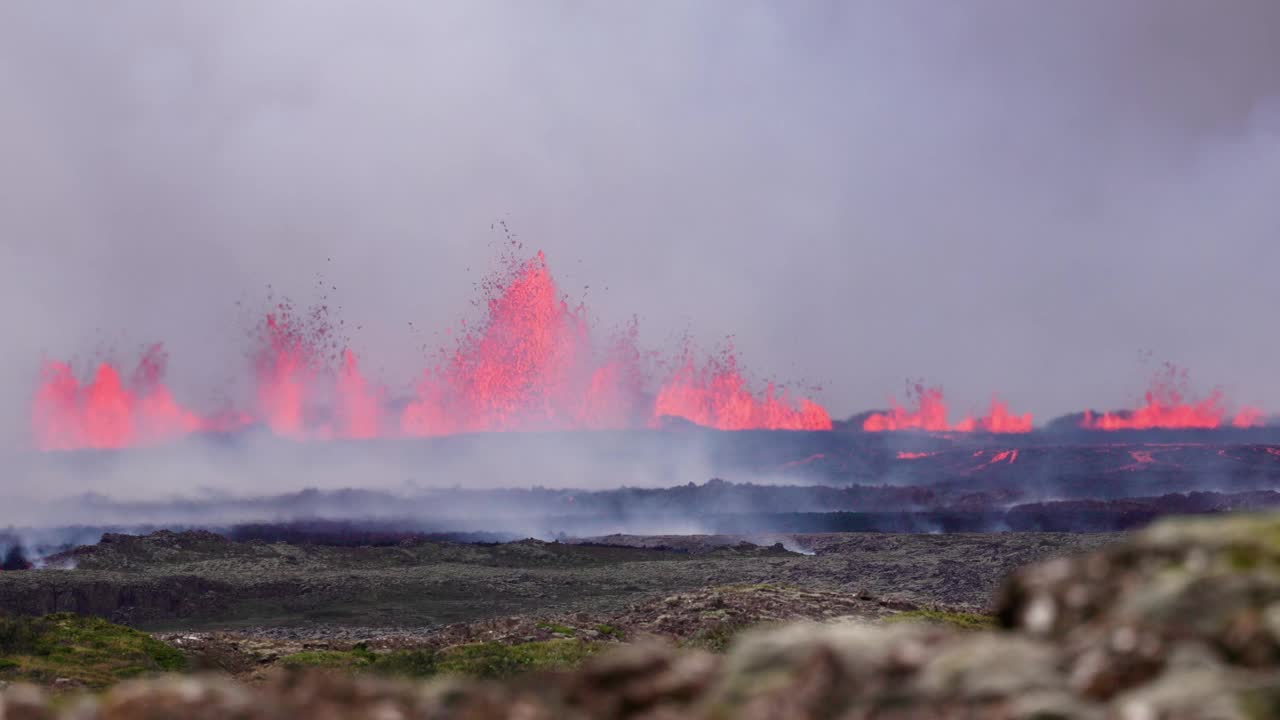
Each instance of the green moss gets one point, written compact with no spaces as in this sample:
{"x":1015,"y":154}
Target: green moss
{"x":715,"y":639}
{"x":1243,"y":557}
{"x":327,"y":659}
{"x":406,"y":663}
{"x":86,"y":650}
{"x":608,"y":630}
{"x":20,"y":635}
{"x":495,"y":660}
{"x":962,"y":620}
{"x":555,"y":628}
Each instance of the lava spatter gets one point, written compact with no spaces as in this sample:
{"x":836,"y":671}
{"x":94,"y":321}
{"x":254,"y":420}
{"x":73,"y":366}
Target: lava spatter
{"x":533,"y":363}
{"x":928,"y":413}
{"x":1167,"y":404}
{"x":108,"y":412}
{"x":714,"y":394}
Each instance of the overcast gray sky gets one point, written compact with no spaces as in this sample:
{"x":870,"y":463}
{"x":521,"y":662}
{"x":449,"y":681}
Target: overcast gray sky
{"x":997,"y":196}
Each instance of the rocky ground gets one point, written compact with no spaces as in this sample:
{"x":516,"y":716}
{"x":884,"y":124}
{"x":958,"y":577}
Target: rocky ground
{"x":1179,"y":621}
{"x":201,"y":581}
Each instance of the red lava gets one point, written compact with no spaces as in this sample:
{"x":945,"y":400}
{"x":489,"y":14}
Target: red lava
{"x":1167,"y":406}
{"x":930,"y":414}
{"x":1004,"y":456}
{"x":533,"y":364}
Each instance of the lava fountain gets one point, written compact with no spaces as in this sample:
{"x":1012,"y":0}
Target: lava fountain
{"x":1167,"y":405}
{"x":928,"y":413}
{"x":532,"y":364}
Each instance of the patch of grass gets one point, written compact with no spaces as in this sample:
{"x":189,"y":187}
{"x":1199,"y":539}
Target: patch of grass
{"x":715,"y":639}
{"x":495,"y":660}
{"x":404,"y":663}
{"x":20,"y":635}
{"x":326,"y":659}
{"x":608,"y":630}
{"x":961,"y":620}
{"x":407,"y":663}
{"x":85,"y":650}
{"x":555,"y":628}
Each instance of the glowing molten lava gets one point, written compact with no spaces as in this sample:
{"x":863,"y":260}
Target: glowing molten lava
{"x":714,"y":394}
{"x":359,"y":403}
{"x":531,"y":365}
{"x":930,"y":415}
{"x":109,"y":413}
{"x":1167,"y":406}
{"x":282,"y":369}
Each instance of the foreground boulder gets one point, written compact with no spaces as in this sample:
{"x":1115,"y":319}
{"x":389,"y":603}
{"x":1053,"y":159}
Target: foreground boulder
{"x":1181,"y":621}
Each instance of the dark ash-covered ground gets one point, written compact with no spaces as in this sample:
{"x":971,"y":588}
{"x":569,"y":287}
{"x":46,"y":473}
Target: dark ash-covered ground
{"x":197,"y":580}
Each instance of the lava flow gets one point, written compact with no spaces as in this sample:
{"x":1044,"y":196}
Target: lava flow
{"x":930,"y":415}
{"x":1166,"y":406}
{"x":533,"y":364}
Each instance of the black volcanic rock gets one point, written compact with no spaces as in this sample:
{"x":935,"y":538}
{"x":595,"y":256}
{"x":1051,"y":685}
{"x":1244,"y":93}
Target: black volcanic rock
{"x":1176,"y":623}
{"x":15,"y":558}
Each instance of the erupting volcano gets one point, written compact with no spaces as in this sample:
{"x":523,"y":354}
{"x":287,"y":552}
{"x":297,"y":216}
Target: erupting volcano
{"x":930,"y":415}
{"x":533,"y":364}
{"x":1167,"y":406}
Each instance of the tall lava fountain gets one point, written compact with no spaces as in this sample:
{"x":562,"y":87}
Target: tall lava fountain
{"x":532,"y":364}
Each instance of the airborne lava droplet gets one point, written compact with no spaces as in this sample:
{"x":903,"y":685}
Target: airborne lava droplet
{"x":1167,"y":405}
{"x":930,"y":415}
{"x":532,"y":364}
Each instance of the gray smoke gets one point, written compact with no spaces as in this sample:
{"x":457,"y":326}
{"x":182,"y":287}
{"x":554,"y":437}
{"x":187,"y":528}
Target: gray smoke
{"x":997,"y":195}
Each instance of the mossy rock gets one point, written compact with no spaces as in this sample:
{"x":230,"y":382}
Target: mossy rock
{"x":495,"y":660}
{"x":82,"y":650}
{"x":400,"y":663}
{"x":959,"y":620}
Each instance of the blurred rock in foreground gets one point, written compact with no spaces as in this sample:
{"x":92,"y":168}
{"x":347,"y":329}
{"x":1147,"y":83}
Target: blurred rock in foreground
{"x":1182,"y":621}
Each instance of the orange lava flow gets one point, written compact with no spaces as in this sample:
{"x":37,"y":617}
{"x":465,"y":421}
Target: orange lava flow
{"x":1166,"y":406}
{"x":532,"y":364}
{"x":1004,"y":456}
{"x":930,"y":415}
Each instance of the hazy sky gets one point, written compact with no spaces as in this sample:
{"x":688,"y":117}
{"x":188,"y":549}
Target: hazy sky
{"x":997,"y":196}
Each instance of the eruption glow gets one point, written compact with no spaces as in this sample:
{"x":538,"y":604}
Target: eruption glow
{"x":531,"y":365}
{"x":108,"y":413}
{"x":1167,"y":406}
{"x":930,"y":415}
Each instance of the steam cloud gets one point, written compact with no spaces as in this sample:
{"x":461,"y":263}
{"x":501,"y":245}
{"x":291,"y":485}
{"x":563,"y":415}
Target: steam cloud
{"x":996,"y":195}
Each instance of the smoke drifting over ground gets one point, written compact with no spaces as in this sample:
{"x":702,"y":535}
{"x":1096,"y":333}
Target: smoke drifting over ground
{"x":996,"y":195}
